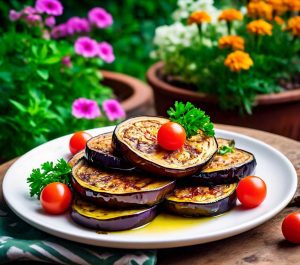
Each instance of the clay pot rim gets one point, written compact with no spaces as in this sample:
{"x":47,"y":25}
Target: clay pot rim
{"x":166,"y":88}
{"x":141,"y":92}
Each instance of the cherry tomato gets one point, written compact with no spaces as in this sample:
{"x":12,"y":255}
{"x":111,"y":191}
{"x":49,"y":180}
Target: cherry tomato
{"x":78,"y":141}
{"x":251,"y":191}
{"x":56,"y":198}
{"x":291,"y":227}
{"x":171,"y":136}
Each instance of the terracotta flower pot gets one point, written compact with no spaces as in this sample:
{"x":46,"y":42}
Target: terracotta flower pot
{"x":277,"y":113}
{"x":136,"y":96}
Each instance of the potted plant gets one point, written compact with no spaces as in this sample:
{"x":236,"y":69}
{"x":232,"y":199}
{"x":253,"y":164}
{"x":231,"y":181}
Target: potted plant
{"x":50,"y":81}
{"x":240,"y":65}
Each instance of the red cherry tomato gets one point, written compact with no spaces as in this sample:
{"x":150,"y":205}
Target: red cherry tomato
{"x":56,"y":198}
{"x":291,"y":227}
{"x":78,"y":141}
{"x":251,"y":191}
{"x":171,"y":136}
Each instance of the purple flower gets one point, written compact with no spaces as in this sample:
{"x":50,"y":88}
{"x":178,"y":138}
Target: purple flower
{"x":29,"y":10}
{"x":100,"y":17}
{"x":66,"y":61}
{"x":50,"y":7}
{"x":14,"y":15}
{"x":59,"y":31}
{"x":86,"y":47}
{"x":33,"y":19}
{"x":50,"y":21}
{"x":113,"y":109}
{"x":85,"y":108}
{"x":77,"y":25}
{"x":106,"y":52}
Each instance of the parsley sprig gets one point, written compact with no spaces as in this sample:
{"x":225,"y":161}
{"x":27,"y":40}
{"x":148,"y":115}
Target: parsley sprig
{"x":225,"y":149}
{"x":192,"y":119}
{"x":48,"y":173}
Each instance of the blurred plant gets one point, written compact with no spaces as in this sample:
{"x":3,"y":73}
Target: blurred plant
{"x":249,"y":57}
{"x":46,"y":70}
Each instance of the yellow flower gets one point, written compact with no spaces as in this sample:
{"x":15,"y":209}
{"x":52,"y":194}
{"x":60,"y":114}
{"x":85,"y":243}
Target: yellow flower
{"x":199,"y":17}
{"x":292,"y":5}
{"x":260,"y":27}
{"x":230,"y":15}
{"x":234,"y":42}
{"x":294,"y":26}
{"x":238,"y":60}
{"x":279,"y":20}
{"x":260,"y":9}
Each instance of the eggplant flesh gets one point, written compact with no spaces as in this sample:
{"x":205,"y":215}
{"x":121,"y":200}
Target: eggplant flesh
{"x":136,"y":140}
{"x":227,"y":168}
{"x":99,"y":152}
{"x":118,"y":189}
{"x":201,"y":200}
{"x":95,"y":217}
{"x":72,"y":162}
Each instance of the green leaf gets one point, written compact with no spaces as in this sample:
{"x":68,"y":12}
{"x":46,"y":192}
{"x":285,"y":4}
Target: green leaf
{"x":225,"y":149}
{"x":192,"y":119}
{"x":18,"y":106}
{"x":43,"y":73}
{"x":51,"y":60}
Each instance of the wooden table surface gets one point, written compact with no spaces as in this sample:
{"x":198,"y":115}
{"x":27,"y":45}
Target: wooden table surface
{"x":261,"y":245}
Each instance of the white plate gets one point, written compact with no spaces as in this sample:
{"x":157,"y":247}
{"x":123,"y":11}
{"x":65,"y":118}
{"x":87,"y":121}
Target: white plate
{"x":165,"y":231}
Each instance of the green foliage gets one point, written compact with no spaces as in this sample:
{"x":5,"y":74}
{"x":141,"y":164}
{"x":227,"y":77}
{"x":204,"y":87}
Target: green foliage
{"x":37,"y":90}
{"x":192,"y":119}
{"x":48,"y":173}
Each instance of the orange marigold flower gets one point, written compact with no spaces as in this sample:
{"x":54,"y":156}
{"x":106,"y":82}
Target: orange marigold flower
{"x":260,"y":27}
{"x":230,"y":15}
{"x":234,"y":42}
{"x":260,"y":9}
{"x":238,"y":60}
{"x":278,"y":6}
{"x":279,"y":20}
{"x":199,"y":17}
{"x":292,"y":5}
{"x":294,"y":26}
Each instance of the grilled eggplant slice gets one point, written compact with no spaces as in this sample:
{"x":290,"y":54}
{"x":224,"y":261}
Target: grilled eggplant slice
{"x":95,"y":217}
{"x":201,"y":200}
{"x":136,"y":140}
{"x":76,"y":158}
{"x":227,"y":168}
{"x":99,"y":152}
{"x":118,"y":189}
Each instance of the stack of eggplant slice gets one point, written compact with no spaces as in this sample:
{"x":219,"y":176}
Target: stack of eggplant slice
{"x":122,"y":178}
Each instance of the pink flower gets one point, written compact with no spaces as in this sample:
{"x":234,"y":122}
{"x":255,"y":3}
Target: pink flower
{"x":106,"y":52}
{"x":86,"y":47}
{"x":100,"y":17}
{"x":14,"y":15}
{"x":29,"y":10}
{"x":113,"y":109}
{"x":85,"y":108}
{"x":77,"y":25}
{"x":50,"y":7}
{"x":59,"y":31}
{"x":66,"y":61}
{"x":33,"y":19}
{"x":50,"y":21}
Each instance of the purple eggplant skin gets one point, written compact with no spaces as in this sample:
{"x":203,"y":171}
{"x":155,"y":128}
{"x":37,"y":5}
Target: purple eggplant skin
{"x":190,"y":209}
{"x":116,"y":224}
{"x":105,"y":159}
{"x":126,"y":200}
{"x":226,"y":176}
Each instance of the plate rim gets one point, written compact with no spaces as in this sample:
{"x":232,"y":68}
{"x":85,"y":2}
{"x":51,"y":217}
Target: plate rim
{"x":191,"y":240}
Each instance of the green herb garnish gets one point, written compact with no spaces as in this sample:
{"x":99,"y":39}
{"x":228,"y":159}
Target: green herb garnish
{"x":48,"y":173}
{"x":225,"y":149}
{"x":192,"y":119}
